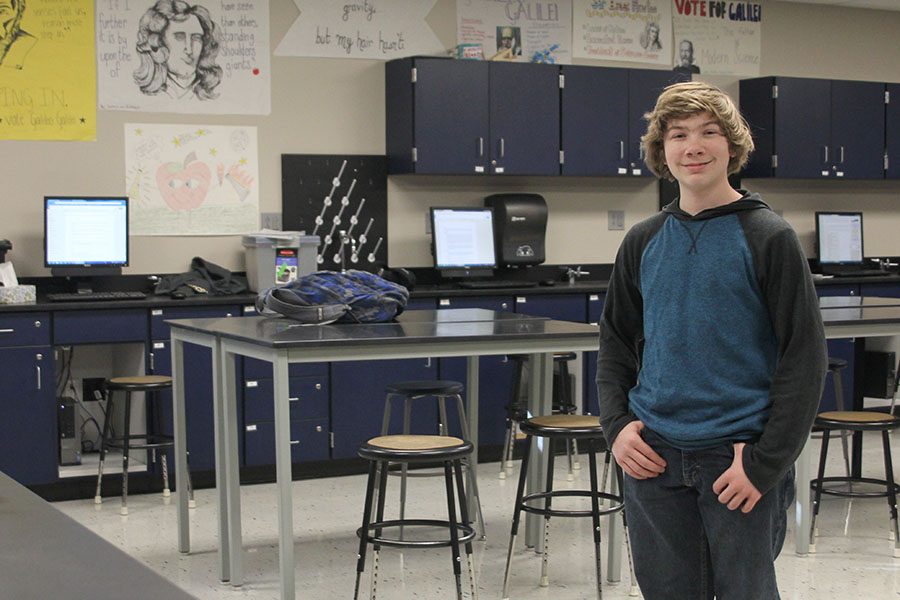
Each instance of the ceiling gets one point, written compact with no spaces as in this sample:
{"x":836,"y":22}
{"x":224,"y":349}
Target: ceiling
{"x":874,"y":4}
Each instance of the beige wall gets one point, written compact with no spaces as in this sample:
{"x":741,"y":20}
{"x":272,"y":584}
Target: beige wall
{"x":337,"y":106}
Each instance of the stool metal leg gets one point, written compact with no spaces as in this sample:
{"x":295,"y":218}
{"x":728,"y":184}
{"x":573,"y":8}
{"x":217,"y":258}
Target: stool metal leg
{"x":444,"y":425}
{"x":126,"y":443}
{"x":619,"y":478}
{"x":818,"y":495}
{"x":379,"y":516}
{"x":892,"y":492}
{"x":471,"y":470}
{"x":464,"y":514}
{"x":545,"y":557}
{"x":839,"y":402}
{"x":404,"y":468}
{"x":364,"y":530}
{"x":165,"y":473}
{"x":98,"y":497}
{"x":517,"y":513}
{"x":454,"y":532}
{"x":606,"y":461}
{"x":595,"y":513}
{"x":506,"y":451}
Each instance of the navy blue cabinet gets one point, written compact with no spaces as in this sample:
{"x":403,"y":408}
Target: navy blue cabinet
{"x":892,"y":131}
{"x":198,"y":382}
{"x":602,"y":118}
{"x":100,"y":326}
{"x":464,"y":117}
{"x":815,"y":128}
{"x":28,"y":431}
{"x":495,"y":374}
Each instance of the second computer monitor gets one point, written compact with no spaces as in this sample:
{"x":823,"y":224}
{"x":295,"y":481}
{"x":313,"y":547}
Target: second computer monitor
{"x":463,"y":241}
{"x":839,"y":238}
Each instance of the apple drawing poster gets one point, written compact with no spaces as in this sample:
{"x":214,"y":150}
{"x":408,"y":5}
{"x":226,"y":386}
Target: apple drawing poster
{"x":191,"y":179}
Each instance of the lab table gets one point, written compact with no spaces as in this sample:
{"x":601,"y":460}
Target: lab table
{"x":415,"y":334}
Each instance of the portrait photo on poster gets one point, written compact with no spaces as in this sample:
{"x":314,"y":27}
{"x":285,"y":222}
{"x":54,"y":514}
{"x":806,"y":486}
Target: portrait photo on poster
{"x":178,"y":44}
{"x":15,"y":42}
{"x":685,"y":58}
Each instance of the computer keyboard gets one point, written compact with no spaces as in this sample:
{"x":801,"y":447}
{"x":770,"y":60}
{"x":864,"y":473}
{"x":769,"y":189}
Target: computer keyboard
{"x":95,"y":296}
{"x":856,"y":273}
{"x":492,"y":284}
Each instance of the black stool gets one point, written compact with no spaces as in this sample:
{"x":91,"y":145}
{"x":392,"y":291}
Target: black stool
{"x":405,"y":449}
{"x":151,"y":441}
{"x":566,"y":428}
{"x":857,"y":421}
{"x":441,"y":390}
{"x":835,"y":366}
{"x":563,"y":403}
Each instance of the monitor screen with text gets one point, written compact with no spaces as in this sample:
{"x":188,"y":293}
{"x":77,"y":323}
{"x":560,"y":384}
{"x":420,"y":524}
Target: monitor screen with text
{"x":85,"y":231}
{"x":463,"y":238}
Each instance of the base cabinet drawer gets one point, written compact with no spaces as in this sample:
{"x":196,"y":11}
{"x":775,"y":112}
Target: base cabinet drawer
{"x":25,"y":329}
{"x":307,"y":398}
{"x":99,"y":326}
{"x":309,"y":441}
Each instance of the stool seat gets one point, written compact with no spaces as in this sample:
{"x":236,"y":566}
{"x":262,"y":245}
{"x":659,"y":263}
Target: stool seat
{"x":563,"y":426}
{"x":415,"y":448}
{"x":857,"y":420}
{"x":139,"y":383}
{"x":835,"y":363}
{"x":425,"y":387}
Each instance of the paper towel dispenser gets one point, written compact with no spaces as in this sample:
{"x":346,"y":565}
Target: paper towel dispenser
{"x":520,"y":226}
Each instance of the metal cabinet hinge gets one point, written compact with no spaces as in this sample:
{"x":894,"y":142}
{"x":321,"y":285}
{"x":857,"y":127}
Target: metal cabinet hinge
{"x":415,"y":154}
{"x":331,"y":440}
{"x":562,"y":157}
{"x":562,"y":81}
{"x":774,"y":161}
{"x":774,"y":92}
{"x":413,"y":75}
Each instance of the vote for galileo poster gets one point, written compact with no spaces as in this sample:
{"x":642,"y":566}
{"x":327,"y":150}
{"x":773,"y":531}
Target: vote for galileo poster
{"x":715,"y":37}
{"x":47,"y":72}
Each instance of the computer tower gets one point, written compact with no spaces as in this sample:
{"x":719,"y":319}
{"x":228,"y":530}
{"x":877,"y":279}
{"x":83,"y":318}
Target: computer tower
{"x":879,"y":375}
{"x":69,"y":431}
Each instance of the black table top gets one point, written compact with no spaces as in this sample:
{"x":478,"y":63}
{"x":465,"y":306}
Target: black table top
{"x":46,"y":554}
{"x":416,"y":326}
{"x":864,"y":315}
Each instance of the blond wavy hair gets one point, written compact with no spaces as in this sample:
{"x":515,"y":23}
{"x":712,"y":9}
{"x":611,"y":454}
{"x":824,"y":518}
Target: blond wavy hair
{"x":684,"y":100}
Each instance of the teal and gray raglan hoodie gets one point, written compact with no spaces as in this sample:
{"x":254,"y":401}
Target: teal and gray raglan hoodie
{"x":711,"y":333}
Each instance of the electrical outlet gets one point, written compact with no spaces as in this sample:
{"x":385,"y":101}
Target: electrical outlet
{"x":90,"y":387}
{"x":616,"y":220}
{"x":270,"y":221}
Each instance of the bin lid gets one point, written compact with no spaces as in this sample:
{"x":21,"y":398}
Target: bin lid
{"x":278,"y":239}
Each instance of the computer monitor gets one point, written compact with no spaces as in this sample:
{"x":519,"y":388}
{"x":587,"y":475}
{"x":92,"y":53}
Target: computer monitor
{"x":85,"y":236}
{"x":839,"y":238}
{"x":463,"y":241}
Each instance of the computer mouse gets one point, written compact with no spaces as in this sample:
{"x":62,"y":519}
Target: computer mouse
{"x":178,"y":295}
{"x":548,"y":282}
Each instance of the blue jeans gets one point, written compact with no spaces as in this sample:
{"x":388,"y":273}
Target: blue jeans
{"x":688,"y":546}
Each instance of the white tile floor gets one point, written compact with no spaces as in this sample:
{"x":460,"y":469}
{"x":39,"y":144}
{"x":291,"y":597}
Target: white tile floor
{"x":854,"y":558}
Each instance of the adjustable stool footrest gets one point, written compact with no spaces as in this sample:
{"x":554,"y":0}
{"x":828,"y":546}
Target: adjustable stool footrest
{"x":855,"y":493}
{"x":466,"y":533}
{"x":151,"y":441}
{"x":616,"y":503}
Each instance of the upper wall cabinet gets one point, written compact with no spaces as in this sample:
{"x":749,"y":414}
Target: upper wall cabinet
{"x":892,"y":127}
{"x":815,"y":128}
{"x":602,"y":118}
{"x":463,"y":117}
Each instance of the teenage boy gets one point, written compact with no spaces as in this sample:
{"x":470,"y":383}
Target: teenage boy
{"x":712,"y":361}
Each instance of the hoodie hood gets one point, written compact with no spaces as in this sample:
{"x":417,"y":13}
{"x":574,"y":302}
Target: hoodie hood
{"x":747,"y":201}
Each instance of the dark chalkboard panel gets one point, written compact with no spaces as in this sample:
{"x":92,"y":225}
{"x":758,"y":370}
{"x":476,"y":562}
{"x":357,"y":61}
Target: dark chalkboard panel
{"x":356,"y":188}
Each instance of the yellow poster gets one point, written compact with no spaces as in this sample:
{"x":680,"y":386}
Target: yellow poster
{"x":48,"y":72}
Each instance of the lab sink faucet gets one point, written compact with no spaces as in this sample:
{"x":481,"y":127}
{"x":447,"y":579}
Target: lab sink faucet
{"x":576,"y":272}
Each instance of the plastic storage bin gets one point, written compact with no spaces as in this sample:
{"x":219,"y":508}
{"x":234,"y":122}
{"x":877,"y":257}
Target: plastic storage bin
{"x":278,"y":258}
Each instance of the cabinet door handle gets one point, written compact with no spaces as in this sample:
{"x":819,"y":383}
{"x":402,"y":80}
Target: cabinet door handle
{"x":480,"y":147}
{"x":502,"y":148}
{"x":295,"y":442}
{"x":641,"y":152}
{"x":826,"y":153}
{"x":7,"y":330}
{"x":621,"y":149}
{"x":840,"y":162}
{"x":428,"y":363}
{"x":38,"y":370}
{"x":297,"y":399}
